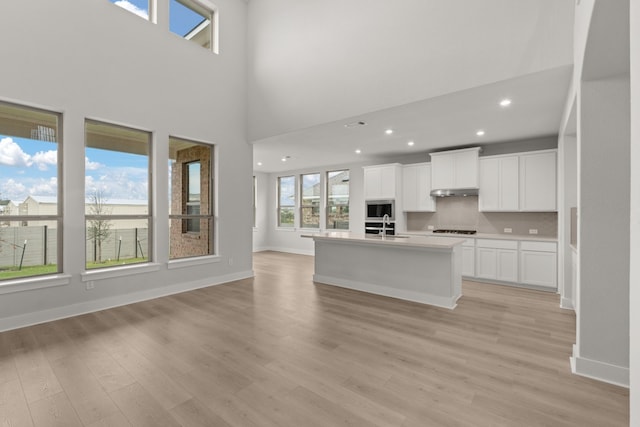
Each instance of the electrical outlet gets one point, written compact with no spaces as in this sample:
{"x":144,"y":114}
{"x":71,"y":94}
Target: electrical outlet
{"x":430,"y":227}
{"x":533,"y":231}
{"x":508,"y":230}
{"x":90,"y":285}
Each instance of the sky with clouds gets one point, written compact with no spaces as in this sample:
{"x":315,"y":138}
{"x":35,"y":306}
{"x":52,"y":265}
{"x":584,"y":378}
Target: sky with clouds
{"x":29,"y":168}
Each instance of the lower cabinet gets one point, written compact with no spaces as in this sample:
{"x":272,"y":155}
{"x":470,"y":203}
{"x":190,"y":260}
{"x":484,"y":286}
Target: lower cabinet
{"x":538,"y":264}
{"x":497,"y":260}
{"x":469,"y":260}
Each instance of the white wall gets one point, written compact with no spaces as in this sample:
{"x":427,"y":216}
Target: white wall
{"x":93,"y":59}
{"x":391,"y":53}
{"x":260,"y":231}
{"x":634,"y":304}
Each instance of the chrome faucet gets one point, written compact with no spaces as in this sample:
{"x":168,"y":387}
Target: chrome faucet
{"x":385,"y":221}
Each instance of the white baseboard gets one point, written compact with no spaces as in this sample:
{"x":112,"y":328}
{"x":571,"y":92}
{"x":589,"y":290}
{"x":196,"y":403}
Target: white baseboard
{"x":57,"y":313}
{"x":566,"y":303}
{"x":612,"y":374}
{"x":402,"y":294}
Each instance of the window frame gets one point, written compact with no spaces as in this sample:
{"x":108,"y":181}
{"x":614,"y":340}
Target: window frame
{"x":208,"y":11}
{"x":58,"y":217}
{"x":182,"y":217}
{"x":327,"y":197}
{"x":303,"y":206}
{"x":279,"y":207}
{"x":148,"y":216}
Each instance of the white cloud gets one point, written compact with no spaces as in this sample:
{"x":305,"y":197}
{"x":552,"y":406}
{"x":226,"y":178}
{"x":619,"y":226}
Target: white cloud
{"x":44,"y":187}
{"x":12,"y":155}
{"x":43,"y":159}
{"x":12,"y":190}
{"x":119,"y":183}
{"x":91,"y":166}
{"x":132,"y":8}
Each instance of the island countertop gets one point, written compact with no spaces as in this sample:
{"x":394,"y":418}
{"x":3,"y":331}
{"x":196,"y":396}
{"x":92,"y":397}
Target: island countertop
{"x":432,"y":242}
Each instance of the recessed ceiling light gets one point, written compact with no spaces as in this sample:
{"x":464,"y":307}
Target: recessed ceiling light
{"x":410,"y":143}
{"x":285,"y":158}
{"x":358,"y":151}
{"x":259,"y":163}
{"x":505,"y":102}
{"x":388,"y":131}
{"x":480,"y":132}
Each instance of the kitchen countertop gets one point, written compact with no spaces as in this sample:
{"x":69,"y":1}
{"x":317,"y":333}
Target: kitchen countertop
{"x":417,"y":241}
{"x":529,"y":237}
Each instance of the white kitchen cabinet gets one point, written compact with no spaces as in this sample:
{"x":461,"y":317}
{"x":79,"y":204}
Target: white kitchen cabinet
{"x":538,"y":181}
{"x":382,"y":181}
{"x":416,"y":188}
{"x":469,"y":259}
{"x":499,"y":189}
{"x":497,"y":260}
{"x":538,"y":263}
{"x":455,"y":169}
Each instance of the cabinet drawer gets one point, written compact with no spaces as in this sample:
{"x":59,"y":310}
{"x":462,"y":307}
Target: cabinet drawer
{"x":497,"y":244}
{"x":538,"y":246}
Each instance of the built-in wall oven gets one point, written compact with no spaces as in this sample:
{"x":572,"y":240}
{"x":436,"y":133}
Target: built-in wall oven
{"x":377,"y":211}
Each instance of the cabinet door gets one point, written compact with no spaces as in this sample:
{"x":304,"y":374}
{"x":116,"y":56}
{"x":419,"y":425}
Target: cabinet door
{"x":486,"y":263}
{"x":442,"y":172}
{"x":538,"y":268}
{"x":388,"y":182}
{"x":509,"y":188}
{"x":538,"y":182}
{"x":410,"y":188}
{"x":507,"y":269}
{"x":489,"y":193}
{"x":468,"y":261}
{"x":426,"y":203}
{"x":372,"y":182}
{"x":466,"y":169}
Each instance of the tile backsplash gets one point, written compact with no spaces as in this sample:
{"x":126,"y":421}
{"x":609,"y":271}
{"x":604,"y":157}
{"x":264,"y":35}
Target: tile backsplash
{"x":462,"y":213}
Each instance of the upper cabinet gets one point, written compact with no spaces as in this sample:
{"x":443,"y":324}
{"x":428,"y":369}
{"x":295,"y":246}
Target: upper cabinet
{"x":382,"y":181}
{"x":538,"y":183}
{"x":416,"y":188}
{"x":455,"y":169}
{"x":523,"y":182}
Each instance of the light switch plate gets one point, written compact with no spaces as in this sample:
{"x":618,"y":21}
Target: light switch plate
{"x":533,"y":231}
{"x":508,"y":230}
{"x":430,"y":227}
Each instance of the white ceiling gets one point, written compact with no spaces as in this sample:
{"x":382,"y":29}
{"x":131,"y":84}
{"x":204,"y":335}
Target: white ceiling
{"x":450,"y":120}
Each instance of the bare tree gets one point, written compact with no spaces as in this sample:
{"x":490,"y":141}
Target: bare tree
{"x":99,"y":229}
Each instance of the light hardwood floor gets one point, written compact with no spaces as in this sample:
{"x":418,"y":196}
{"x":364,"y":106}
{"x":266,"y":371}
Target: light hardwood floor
{"x":279,"y":350}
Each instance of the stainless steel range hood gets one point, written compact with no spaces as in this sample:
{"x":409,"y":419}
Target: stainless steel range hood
{"x":459,"y":192}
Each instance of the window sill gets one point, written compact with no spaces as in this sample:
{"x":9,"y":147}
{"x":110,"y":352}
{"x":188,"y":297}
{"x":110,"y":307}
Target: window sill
{"x":190,"y":262}
{"x":289,"y":229}
{"x":108,"y":273}
{"x":31,"y":283}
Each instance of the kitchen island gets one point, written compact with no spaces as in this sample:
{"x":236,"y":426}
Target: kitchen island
{"x":421,"y":269}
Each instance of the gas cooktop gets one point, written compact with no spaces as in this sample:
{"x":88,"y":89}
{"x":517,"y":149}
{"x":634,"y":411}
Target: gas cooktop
{"x":442,"y":230}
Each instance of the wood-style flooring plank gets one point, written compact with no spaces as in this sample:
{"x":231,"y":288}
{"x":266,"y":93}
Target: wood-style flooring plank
{"x":278,"y":350}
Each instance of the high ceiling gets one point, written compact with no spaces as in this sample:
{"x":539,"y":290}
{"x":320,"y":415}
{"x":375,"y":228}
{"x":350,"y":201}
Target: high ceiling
{"x":445,"y":121}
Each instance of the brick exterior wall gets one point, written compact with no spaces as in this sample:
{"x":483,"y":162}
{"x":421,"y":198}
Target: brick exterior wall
{"x":190,"y":244}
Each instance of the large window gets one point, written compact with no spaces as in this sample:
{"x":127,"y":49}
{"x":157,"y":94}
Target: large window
{"x":191,"y":198}
{"x":286,"y":201}
{"x":192,"y":21}
{"x":117,"y":191}
{"x":137,"y":7}
{"x":310,"y":200}
{"x":30,"y":187}
{"x":338,"y":200}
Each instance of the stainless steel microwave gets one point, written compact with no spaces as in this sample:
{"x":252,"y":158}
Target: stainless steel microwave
{"x":375,"y":210}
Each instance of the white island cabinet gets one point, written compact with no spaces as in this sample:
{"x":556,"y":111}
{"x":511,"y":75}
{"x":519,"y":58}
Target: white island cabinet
{"x":421,"y":269}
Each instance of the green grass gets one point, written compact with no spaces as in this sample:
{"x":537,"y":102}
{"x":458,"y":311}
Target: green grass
{"x":36,"y":270}
{"x":113,"y":262}
{"x":39,"y":270}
